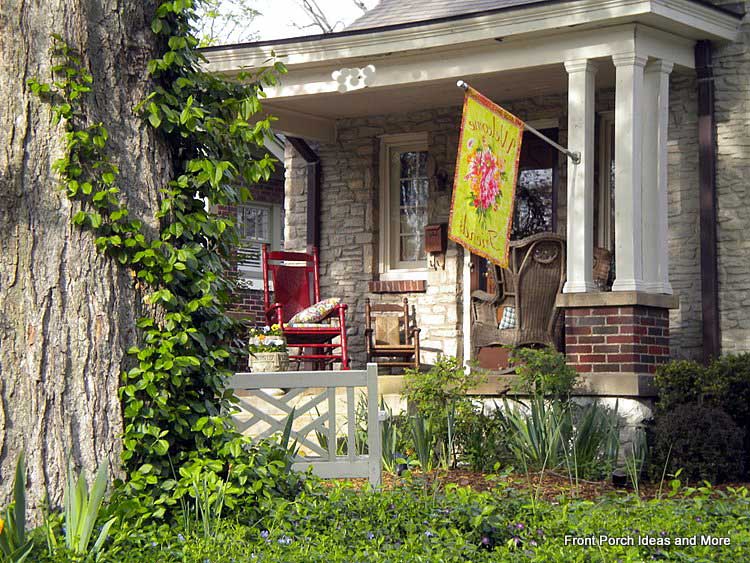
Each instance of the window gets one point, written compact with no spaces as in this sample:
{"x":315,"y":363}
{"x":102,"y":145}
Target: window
{"x":403,"y":202}
{"x":536,"y":190}
{"x":257,"y":224}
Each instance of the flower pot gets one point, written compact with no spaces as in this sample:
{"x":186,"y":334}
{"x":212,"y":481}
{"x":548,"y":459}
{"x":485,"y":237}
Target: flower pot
{"x":269,"y":361}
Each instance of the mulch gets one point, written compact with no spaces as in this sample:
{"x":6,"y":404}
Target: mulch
{"x":548,"y":485}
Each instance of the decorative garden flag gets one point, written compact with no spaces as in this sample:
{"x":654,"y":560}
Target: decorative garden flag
{"x":485,"y":183}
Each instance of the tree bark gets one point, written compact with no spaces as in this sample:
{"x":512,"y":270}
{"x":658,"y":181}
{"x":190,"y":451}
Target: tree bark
{"x":67,"y":313}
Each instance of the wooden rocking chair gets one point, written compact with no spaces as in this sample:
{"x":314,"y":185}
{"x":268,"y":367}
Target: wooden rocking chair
{"x":390,"y":336}
{"x":296,"y":287}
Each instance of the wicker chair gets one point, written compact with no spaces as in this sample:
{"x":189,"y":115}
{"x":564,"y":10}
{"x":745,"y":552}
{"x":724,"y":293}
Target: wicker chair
{"x":530,"y":284}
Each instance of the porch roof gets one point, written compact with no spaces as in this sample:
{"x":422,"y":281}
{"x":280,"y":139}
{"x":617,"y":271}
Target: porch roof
{"x":411,"y":66}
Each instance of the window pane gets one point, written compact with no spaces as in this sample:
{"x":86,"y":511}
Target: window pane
{"x":412,"y":249}
{"x":413,"y":194}
{"x":254,"y":223}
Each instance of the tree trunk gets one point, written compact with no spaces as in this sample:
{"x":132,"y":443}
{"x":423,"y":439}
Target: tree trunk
{"x":67,"y":313}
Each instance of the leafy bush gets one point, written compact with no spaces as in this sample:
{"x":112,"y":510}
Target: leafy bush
{"x":701,"y":440}
{"x":728,"y":387}
{"x":543,"y":371}
{"x":482,"y":438}
{"x":438,"y":395}
{"x":435,"y":392}
{"x":679,"y":382}
{"x":724,"y":384}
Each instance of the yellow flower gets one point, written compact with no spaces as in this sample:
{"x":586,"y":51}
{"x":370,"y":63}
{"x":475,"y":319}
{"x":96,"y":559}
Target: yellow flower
{"x":2,"y":523}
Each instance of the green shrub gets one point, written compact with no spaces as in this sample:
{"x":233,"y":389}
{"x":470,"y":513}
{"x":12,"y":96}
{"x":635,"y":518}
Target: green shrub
{"x":543,"y":371}
{"x":439,"y":395}
{"x":728,"y":387}
{"x":482,"y":437}
{"x":724,"y":384}
{"x":679,"y":382}
{"x":701,"y":440}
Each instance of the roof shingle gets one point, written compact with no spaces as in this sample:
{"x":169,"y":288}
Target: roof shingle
{"x":395,"y":12}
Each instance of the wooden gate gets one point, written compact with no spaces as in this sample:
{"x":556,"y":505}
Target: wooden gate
{"x":263,"y":414}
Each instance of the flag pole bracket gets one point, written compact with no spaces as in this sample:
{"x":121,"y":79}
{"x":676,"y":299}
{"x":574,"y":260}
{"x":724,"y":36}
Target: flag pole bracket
{"x":574,"y":156}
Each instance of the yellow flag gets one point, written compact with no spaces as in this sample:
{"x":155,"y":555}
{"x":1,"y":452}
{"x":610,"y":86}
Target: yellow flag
{"x":485,"y":183}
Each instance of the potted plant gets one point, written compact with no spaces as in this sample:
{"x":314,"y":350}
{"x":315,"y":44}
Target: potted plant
{"x":267,"y":347}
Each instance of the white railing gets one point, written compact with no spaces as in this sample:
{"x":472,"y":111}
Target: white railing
{"x":305,"y":392}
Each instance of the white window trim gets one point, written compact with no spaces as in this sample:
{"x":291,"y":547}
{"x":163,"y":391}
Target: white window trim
{"x":389,"y":143}
{"x":252,"y":278}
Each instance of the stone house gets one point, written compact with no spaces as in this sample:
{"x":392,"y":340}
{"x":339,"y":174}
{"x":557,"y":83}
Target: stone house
{"x":654,"y":94}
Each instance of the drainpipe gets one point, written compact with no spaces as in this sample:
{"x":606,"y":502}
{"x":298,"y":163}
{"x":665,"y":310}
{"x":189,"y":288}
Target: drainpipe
{"x":313,"y":191}
{"x":707,"y":179}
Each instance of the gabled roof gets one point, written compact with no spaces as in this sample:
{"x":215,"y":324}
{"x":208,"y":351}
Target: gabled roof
{"x":396,"y":12}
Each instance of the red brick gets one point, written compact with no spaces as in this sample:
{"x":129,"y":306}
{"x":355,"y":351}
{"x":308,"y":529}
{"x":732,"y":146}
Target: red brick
{"x":608,"y":311}
{"x":606,"y":329}
{"x":590,"y":339}
{"x":578,"y":330}
{"x":580,"y":349}
{"x":606,"y":367}
{"x":590,"y":321}
{"x":571,"y":340}
{"x":623,"y":357}
{"x":657,"y":350}
{"x":571,"y":358}
{"x":592,"y":358}
{"x":606,"y":349}
{"x":623,"y":339}
{"x":582,"y":368}
{"x":583,"y":312}
{"x":634,"y":348}
{"x":620,"y":320}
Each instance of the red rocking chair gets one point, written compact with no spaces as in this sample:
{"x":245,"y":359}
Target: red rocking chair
{"x":296,"y":286}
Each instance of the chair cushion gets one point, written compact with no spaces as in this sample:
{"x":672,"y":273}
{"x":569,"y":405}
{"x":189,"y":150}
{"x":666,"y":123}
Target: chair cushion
{"x":315,"y":313}
{"x":508,"y":319}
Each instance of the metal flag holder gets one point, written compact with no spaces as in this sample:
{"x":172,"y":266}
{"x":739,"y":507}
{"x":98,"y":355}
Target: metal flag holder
{"x":574,"y":155}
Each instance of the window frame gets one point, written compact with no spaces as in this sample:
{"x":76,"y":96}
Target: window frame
{"x":390,"y":268}
{"x":254,"y":274}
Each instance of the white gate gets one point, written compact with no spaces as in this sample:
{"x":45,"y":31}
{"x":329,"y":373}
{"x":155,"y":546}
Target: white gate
{"x":306,"y":392}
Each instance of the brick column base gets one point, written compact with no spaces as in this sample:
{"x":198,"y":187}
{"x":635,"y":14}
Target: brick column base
{"x":631,"y":339}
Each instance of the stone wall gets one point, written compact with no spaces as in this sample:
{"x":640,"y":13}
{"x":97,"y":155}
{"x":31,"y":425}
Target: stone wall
{"x":732,"y":112}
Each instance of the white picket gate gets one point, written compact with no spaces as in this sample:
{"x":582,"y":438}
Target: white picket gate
{"x":306,"y":392}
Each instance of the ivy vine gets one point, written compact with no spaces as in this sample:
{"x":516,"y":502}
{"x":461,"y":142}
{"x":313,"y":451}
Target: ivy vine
{"x":174,"y":398}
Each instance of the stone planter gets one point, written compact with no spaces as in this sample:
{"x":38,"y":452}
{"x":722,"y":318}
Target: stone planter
{"x":269,"y":361}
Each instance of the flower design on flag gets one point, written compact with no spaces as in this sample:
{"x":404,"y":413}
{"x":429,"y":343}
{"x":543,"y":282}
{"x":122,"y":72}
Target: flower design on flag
{"x":485,"y":172}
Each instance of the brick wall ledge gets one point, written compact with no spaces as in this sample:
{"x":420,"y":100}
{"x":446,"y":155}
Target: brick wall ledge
{"x":617,"y":299}
{"x":591,"y":385}
{"x":398,"y":286}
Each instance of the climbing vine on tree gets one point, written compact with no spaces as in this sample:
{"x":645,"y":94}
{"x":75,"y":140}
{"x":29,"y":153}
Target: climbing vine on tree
{"x":174,"y":400}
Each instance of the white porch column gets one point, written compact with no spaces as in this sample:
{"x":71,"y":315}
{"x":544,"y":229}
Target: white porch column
{"x":654,"y":197}
{"x":580,"y":247}
{"x":628,"y":171}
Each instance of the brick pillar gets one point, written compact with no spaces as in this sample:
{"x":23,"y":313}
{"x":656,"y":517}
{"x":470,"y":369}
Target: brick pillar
{"x":630,"y":339}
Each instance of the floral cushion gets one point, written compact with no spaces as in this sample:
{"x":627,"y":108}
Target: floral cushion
{"x":508,"y":319}
{"x":315,"y":313}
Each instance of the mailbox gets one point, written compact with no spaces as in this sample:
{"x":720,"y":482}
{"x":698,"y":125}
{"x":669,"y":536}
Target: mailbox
{"x":436,"y":238}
